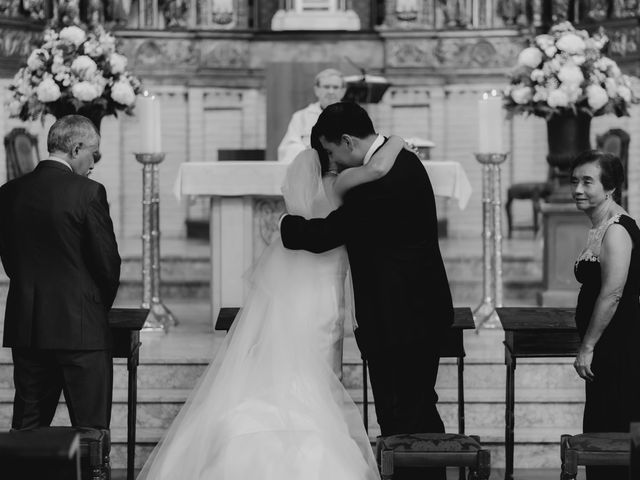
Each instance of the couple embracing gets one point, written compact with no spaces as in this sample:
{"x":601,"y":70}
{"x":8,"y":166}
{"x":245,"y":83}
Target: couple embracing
{"x":271,"y":405}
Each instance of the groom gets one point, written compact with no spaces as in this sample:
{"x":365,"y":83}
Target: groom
{"x":402,"y":296}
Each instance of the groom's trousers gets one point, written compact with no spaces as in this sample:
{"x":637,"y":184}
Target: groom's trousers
{"x":403,"y":384}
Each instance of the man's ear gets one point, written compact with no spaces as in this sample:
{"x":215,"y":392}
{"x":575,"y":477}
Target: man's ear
{"x":348,"y":141}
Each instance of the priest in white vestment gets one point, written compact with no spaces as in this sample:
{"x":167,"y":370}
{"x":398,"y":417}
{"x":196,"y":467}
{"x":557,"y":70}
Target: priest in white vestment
{"x":329,"y":87}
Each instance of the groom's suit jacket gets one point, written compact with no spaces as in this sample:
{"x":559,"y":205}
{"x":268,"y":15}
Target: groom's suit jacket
{"x":389,"y":227}
{"x":59,"y":250}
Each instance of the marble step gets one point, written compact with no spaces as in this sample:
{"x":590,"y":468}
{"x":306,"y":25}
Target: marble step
{"x":545,"y":375}
{"x":484,"y":408}
{"x":534,"y":447}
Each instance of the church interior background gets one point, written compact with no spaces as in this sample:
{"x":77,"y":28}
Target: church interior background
{"x":229,"y":73}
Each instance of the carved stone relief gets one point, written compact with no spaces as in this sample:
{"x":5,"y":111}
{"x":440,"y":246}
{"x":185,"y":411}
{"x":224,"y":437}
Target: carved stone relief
{"x":624,"y":41}
{"x":454,"y":52}
{"x":17,"y":42}
{"x":165,"y":52}
{"x":225,"y":53}
{"x":267,"y":212}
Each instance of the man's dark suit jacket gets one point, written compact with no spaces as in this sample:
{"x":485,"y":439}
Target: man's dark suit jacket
{"x":390,"y":230}
{"x":59,"y":250}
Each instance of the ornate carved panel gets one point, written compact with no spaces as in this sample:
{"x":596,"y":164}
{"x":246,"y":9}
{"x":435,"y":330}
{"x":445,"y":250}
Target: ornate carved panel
{"x":225,"y":53}
{"x":453,"y":52}
{"x":159,"y":53}
{"x":17,"y":42}
{"x":267,"y":212}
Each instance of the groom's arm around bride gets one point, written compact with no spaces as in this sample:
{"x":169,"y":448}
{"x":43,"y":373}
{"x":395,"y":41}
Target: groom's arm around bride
{"x":403,"y":302}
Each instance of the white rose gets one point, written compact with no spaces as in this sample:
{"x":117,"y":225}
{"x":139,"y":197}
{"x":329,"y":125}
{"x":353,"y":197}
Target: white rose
{"x":58,"y":65}
{"x":557,"y":98}
{"x":37,"y":59}
{"x":554,"y":64}
{"x":578,"y":59}
{"x":15,"y":107}
{"x":541,"y":94}
{"x":48,"y":91}
{"x":571,"y":74}
{"x":522,"y":95}
{"x":611,"y":87}
{"x":550,"y":51}
{"x":123,"y":93}
{"x":537,"y":75}
{"x":73,"y":34}
{"x":571,"y":43}
{"x":92,"y":48}
{"x":624,"y":93}
{"x":85,"y":91}
{"x":597,"y":97}
{"x":84,"y":66}
{"x":118,"y":62}
{"x":572,"y":90}
{"x":545,"y":41}
{"x":530,"y":57}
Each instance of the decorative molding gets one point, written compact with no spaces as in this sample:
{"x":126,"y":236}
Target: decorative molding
{"x":453,"y":52}
{"x":267,"y":213}
{"x":225,"y":54}
{"x":17,"y":42}
{"x":158,"y":53}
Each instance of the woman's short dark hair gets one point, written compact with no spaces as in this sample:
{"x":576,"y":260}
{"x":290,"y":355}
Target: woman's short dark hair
{"x":611,"y":170}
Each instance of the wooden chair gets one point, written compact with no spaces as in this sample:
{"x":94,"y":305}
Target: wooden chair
{"x":433,"y":450}
{"x":21,"y":149}
{"x":603,"y":448}
{"x":534,"y":191}
{"x":616,"y":141}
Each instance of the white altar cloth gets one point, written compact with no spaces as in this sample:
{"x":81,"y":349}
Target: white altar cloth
{"x":230,"y":179}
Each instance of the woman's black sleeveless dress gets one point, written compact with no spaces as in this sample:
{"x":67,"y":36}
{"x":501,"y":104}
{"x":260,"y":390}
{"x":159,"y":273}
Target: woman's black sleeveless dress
{"x":613,"y":397}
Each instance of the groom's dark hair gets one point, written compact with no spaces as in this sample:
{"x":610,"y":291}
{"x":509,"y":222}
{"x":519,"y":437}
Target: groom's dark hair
{"x":343,"y":118}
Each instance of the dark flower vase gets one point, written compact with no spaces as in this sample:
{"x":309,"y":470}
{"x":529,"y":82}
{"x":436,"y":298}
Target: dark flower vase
{"x":92,"y":113}
{"x":567,"y":136}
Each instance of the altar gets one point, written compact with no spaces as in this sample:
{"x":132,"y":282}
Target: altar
{"x":246,"y":204}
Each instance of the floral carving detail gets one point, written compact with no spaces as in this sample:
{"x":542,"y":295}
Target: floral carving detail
{"x":267,"y":213}
{"x":227,"y":54}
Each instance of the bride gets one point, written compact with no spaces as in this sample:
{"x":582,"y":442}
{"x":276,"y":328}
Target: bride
{"x":270,"y":405}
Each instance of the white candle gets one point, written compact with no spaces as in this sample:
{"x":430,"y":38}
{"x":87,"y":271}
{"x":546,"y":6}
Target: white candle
{"x":148,"y":111}
{"x":490,"y":118}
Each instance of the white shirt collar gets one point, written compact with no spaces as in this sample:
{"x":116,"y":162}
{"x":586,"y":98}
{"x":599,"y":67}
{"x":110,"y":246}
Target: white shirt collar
{"x":60,"y":160}
{"x":374,"y":146}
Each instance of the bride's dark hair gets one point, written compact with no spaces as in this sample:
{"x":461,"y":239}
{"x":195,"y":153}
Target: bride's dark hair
{"x":322,"y":154}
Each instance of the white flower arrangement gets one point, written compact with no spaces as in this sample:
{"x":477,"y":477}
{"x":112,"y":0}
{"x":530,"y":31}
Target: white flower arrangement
{"x":565,"y":71}
{"x":74,"y":71}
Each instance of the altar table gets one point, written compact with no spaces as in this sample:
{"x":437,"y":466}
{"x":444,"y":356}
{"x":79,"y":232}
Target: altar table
{"x":532,"y":332}
{"x":246,"y":203}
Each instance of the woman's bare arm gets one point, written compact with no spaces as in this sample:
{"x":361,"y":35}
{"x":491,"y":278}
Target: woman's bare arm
{"x":379,"y":165}
{"x":615,"y":257}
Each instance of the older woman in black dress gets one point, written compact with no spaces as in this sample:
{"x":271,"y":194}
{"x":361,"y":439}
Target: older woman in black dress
{"x":608,"y":309}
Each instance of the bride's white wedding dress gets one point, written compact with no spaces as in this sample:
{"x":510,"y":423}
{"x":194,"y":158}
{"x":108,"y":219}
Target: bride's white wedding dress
{"x":270,"y":407}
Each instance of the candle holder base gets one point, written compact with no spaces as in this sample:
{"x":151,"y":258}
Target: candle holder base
{"x":491,"y":321}
{"x":159,"y":319}
{"x":482,"y":312}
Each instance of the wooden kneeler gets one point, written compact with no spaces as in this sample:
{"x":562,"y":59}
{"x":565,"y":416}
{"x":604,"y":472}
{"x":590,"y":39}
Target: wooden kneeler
{"x":590,"y":449}
{"x":433,"y":450}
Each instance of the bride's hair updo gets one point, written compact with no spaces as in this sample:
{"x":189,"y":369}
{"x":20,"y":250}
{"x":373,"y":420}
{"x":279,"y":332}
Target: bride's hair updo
{"x":322,"y":154}
{"x":611,"y":170}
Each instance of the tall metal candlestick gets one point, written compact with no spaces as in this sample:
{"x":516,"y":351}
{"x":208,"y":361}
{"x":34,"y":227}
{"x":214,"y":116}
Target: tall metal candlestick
{"x":485,"y":314}
{"x":159,"y":318}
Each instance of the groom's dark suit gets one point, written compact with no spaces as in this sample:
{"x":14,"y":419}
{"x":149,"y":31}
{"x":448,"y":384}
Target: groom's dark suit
{"x":59,"y":250}
{"x":402,"y":296}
